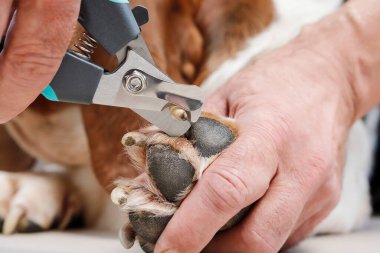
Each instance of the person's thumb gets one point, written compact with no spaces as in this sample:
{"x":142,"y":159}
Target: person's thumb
{"x":217,"y":102}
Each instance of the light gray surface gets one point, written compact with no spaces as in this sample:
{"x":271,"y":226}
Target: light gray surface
{"x":367,"y":240}
{"x":81,"y":241}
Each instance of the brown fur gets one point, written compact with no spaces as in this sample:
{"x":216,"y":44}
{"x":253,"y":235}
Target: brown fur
{"x":226,"y":25}
{"x":12,"y":158}
{"x":188,"y":39}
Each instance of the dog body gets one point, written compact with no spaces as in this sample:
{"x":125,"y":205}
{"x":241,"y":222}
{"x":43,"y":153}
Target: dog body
{"x":220,"y":38}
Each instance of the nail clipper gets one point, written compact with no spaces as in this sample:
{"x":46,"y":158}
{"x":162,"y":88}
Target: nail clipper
{"x":137,"y":83}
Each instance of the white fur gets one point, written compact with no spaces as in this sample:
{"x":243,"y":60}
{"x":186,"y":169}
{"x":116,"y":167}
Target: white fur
{"x":291,"y":16}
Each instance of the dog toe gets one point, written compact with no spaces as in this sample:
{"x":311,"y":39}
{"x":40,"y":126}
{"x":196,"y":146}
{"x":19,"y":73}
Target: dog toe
{"x":210,"y":136}
{"x":133,"y":139}
{"x":171,"y":173}
{"x":148,"y":226}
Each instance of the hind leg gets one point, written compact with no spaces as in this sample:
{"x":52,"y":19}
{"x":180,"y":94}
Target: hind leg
{"x":33,"y":202}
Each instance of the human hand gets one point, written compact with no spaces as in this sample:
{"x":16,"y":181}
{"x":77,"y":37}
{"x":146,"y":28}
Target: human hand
{"x":36,"y":40}
{"x":293,"y":109}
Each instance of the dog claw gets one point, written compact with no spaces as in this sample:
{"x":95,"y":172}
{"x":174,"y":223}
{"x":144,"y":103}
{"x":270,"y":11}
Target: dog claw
{"x":12,"y":220}
{"x":117,"y":195}
{"x":71,"y":213}
{"x":133,"y":139}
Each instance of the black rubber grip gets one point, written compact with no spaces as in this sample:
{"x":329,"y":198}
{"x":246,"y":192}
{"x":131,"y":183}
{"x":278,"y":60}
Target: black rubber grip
{"x":76,"y":80}
{"x":113,"y":25}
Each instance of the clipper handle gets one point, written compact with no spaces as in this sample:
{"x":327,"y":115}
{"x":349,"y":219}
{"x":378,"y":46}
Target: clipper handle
{"x":75,"y":82}
{"x":109,"y":23}
{"x":112,"y":24}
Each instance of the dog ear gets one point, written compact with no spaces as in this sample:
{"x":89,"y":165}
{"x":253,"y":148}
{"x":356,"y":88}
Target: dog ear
{"x":228,"y":27}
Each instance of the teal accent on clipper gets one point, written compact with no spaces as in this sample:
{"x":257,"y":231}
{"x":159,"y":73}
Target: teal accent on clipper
{"x":49,"y":94}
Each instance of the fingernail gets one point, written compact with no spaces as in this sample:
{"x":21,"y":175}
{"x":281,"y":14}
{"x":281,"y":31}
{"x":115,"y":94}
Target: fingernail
{"x":170,"y":251}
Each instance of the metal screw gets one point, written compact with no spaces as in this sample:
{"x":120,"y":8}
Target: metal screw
{"x":178,"y":113}
{"x":135,"y":82}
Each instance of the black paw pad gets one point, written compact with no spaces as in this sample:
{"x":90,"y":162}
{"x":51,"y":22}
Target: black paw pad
{"x":29,"y":227}
{"x":148,"y":226}
{"x":171,"y":174}
{"x":146,"y":246}
{"x":209,"y":136}
{"x":77,"y":221}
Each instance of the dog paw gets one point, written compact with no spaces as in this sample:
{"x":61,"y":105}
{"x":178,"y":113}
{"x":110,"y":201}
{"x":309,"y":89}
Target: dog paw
{"x":171,"y":166}
{"x":34,"y":202}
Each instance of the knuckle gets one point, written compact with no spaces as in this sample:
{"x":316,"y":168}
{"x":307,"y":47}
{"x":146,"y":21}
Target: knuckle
{"x":30,"y":61}
{"x":227,"y":189}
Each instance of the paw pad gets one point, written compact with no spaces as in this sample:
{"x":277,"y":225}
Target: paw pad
{"x":209,"y":136}
{"x":171,"y":173}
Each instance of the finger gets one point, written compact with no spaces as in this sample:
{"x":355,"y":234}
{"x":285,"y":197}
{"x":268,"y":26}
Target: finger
{"x":5,"y":10}
{"x":217,"y":103}
{"x":269,"y":224}
{"x":235,"y":180}
{"x":35,"y":48}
